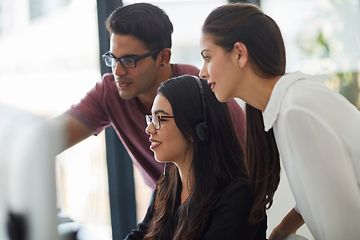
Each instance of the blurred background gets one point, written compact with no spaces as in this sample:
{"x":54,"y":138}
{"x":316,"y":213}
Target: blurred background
{"x":49,"y":59}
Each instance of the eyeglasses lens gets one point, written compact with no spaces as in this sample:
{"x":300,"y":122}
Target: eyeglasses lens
{"x":128,"y":62}
{"x":148,"y":119}
{"x":125,"y":62}
{"x":155,"y":120}
{"x":109,"y":61}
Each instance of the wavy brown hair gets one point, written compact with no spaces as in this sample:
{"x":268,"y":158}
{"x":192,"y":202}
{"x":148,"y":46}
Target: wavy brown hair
{"x":246,"y":23}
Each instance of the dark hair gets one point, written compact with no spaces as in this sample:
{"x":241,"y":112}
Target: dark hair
{"x":246,"y":23}
{"x":144,"y":21}
{"x":216,"y":162}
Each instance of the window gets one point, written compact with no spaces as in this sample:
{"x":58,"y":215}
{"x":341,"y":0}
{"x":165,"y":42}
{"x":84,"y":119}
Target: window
{"x":49,"y":60}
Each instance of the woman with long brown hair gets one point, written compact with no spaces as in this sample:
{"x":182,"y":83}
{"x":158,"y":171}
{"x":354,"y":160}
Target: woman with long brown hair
{"x":315,"y":130}
{"x":204,"y":192}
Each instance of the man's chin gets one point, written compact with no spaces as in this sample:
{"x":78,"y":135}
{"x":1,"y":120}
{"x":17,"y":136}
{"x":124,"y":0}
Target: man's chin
{"x":125,"y":95}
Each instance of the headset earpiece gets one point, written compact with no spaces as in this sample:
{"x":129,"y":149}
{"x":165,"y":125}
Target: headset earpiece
{"x":201,"y":129}
{"x":202,"y":132}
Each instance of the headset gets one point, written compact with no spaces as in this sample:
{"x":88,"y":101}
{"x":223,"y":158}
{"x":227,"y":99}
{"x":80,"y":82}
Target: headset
{"x":201,"y":129}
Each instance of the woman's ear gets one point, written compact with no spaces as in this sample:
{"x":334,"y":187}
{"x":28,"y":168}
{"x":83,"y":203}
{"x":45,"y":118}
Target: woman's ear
{"x":241,"y":53}
{"x":164,"y":57}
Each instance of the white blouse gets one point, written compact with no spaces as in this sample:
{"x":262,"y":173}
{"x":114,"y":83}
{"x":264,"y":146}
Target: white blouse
{"x":317,"y":131}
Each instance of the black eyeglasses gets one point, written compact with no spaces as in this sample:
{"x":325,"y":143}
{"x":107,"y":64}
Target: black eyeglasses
{"x":126,"y":62}
{"x":155,"y":120}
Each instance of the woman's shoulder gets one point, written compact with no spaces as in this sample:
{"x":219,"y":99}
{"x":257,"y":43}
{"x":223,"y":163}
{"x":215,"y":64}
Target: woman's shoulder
{"x":229,"y":217}
{"x":238,"y":182}
{"x":237,"y":191}
{"x":308,"y":92}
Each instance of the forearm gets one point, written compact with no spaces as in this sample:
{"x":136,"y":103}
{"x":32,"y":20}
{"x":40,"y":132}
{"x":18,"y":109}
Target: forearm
{"x":74,"y":130}
{"x":291,"y":222}
{"x":289,"y":225}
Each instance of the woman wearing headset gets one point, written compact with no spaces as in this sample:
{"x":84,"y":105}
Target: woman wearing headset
{"x":204,"y":192}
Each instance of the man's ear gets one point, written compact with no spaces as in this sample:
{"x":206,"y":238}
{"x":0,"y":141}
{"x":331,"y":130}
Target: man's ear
{"x":241,"y":53}
{"x":164,"y":56}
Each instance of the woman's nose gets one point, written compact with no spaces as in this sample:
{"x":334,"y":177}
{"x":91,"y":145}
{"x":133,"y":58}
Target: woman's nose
{"x":150,"y":129}
{"x":203,"y":73}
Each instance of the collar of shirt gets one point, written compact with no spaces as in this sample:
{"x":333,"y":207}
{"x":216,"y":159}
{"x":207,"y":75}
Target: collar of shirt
{"x":271,"y":112}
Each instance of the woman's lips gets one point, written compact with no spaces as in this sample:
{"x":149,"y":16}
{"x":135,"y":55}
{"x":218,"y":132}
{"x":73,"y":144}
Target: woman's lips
{"x":154,"y":143}
{"x":211,"y":85}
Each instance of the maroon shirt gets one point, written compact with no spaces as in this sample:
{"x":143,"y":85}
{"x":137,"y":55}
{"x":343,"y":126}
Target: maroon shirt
{"x":102,"y":106}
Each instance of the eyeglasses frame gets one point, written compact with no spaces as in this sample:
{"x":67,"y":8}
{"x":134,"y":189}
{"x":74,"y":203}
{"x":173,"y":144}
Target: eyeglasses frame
{"x":135,"y":59}
{"x":149,"y":119}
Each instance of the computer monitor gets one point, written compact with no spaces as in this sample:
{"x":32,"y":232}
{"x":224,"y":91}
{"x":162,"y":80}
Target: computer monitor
{"x":28,"y":147}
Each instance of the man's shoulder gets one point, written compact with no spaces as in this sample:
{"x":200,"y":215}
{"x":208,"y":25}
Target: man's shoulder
{"x":181,"y":69}
{"x":108,"y":77}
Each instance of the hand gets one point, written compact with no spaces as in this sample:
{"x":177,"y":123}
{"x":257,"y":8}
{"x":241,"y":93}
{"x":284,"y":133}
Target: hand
{"x":278,"y":233}
{"x":290,"y":224}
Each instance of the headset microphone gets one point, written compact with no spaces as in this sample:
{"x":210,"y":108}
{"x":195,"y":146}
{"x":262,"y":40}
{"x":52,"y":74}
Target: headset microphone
{"x":166,"y":174}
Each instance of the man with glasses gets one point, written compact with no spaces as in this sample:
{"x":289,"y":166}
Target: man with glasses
{"x":139,"y":56}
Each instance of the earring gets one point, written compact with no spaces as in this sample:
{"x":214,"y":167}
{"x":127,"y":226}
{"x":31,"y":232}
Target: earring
{"x":161,"y":65}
